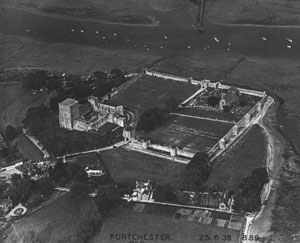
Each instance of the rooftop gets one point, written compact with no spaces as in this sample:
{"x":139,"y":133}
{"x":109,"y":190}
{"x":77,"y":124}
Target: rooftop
{"x":69,"y":102}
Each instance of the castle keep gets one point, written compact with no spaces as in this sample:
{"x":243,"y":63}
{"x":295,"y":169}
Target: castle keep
{"x":100,"y":114}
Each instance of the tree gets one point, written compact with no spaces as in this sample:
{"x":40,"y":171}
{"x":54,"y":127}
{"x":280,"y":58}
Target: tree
{"x":152,"y":118}
{"x":102,"y":89}
{"x":197,"y":171}
{"x":80,"y":91}
{"x":24,"y":188}
{"x":4,"y":152}
{"x":213,"y":101}
{"x":247,"y":198}
{"x":100,"y":76}
{"x":53,"y":83}
{"x":15,"y":178}
{"x":79,"y":188}
{"x":10,"y":133}
{"x":172,"y":104}
{"x":75,"y":172}
{"x":164,"y":193}
{"x":34,"y":81}
{"x":44,"y":186}
{"x":54,"y":103}
{"x":117,"y":77}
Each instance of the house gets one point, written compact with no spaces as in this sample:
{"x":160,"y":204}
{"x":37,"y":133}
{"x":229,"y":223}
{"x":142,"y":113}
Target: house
{"x":5,"y":205}
{"x":143,"y":191}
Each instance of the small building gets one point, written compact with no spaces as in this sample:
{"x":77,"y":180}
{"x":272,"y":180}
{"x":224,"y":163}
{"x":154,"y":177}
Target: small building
{"x":143,"y":191}
{"x":129,"y":133}
{"x":93,"y":173}
{"x":5,"y":205}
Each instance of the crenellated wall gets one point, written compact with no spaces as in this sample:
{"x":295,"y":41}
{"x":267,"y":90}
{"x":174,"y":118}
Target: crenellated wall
{"x":122,"y":87}
{"x":203,"y":83}
{"x":172,"y":151}
{"x":240,"y":127}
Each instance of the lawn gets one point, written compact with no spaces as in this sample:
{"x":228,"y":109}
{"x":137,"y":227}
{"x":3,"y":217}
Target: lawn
{"x":29,"y":150}
{"x":149,"y":92}
{"x":247,"y":155}
{"x":189,"y":133}
{"x":127,"y":220}
{"x":130,"y":166}
{"x":58,"y":222}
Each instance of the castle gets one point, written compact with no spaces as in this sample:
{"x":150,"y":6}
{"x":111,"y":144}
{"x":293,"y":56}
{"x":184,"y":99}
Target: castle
{"x":100,"y":114}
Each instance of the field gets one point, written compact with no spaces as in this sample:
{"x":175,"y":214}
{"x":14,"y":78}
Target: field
{"x":58,"y":222}
{"x":247,"y":155}
{"x":189,"y":133}
{"x":129,"y":166}
{"x":153,"y":219}
{"x":149,"y":92}
{"x":15,"y":101}
{"x":126,"y":11}
{"x":28,"y":149}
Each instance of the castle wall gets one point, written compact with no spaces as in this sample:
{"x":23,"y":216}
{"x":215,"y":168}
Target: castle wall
{"x":241,"y":126}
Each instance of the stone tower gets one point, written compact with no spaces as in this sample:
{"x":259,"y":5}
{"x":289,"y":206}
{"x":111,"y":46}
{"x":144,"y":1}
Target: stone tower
{"x":68,"y":113}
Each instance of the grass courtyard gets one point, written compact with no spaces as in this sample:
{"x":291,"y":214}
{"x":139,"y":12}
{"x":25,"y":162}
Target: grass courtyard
{"x":190,"y":133}
{"x":149,"y":92}
{"x":128,"y":166}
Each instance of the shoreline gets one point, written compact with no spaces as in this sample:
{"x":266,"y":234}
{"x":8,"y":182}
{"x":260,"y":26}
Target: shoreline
{"x":41,"y":13}
{"x":276,"y":145}
{"x":254,"y":25}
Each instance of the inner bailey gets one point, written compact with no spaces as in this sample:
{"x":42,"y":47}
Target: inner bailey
{"x":230,"y":137}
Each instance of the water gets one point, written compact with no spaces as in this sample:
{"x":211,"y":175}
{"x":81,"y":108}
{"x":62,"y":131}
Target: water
{"x":242,"y":40}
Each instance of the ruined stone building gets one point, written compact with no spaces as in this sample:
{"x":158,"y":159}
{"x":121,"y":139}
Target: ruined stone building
{"x":70,"y":117}
{"x":68,"y":113}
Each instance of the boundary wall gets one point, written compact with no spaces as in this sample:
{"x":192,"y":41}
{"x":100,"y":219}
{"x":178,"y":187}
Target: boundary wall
{"x":203,"y":83}
{"x":237,"y":130}
{"x":156,"y":148}
{"x":125,"y":85}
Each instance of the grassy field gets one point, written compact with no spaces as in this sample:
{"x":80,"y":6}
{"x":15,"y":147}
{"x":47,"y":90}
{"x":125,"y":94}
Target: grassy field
{"x":27,"y":148}
{"x":124,"y":220}
{"x":129,"y":166}
{"x":190,"y":133}
{"x":149,"y":92}
{"x":126,"y":11}
{"x":57,"y":222}
{"x":14,"y":101}
{"x":238,"y":163}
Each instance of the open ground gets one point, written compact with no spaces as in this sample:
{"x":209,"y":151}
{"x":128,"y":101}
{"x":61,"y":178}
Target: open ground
{"x":130,"y":166}
{"x":149,"y":92}
{"x":240,"y":160}
{"x":188,"y":133}
{"x":158,"y":220}
{"x":57,"y":221}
